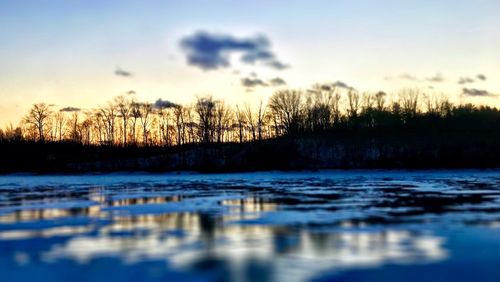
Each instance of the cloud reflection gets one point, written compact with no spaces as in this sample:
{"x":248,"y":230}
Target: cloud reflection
{"x":237,"y":230}
{"x":184,"y":238}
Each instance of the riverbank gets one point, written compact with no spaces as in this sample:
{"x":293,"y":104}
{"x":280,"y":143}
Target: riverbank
{"x":343,"y":151}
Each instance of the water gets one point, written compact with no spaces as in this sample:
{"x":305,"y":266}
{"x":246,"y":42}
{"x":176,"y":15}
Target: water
{"x":321,"y":226}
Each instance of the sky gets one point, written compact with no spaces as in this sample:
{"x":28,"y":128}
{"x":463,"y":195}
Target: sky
{"x":82,"y":53}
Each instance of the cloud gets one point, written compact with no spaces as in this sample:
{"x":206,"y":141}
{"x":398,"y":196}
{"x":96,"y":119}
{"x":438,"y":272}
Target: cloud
{"x":70,"y":109}
{"x":121,"y":72}
{"x":407,"y":76}
{"x":472,"y":92}
{"x":212,"y":51}
{"x":437,"y":78}
{"x":278,"y":65}
{"x":255,"y":56}
{"x":277,"y":81}
{"x":481,"y":77}
{"x":341,"y":84}
{"x":252,"y":82}
{"x":334,"y":85}
{"x":163,"y":104}
{"x":465,"y":80}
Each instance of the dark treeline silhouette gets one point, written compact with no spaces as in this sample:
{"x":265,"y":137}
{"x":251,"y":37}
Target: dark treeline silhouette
{"x":322,"y":127}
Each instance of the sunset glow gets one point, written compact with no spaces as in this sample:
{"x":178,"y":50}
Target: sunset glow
{"x":84,"y":53}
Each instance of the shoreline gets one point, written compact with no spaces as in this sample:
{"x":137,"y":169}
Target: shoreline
{"x":320,"y":172}
{"x":346,"y":152}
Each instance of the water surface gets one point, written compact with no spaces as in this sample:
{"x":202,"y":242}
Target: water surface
{"x":308,"y":226}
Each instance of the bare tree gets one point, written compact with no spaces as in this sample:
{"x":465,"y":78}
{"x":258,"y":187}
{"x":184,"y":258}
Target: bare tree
{"x":98,"y":125}
{"x":409,"y":101}
{"x":190,"y":124}
{"x":124,"y":109}
{"x":145,"y":110}
{"x":353,"y":100}
{"x":286,"y":106}
{"x":37,"y":117}
{"x":135,"y":112}
{"x":251,"y":121}
{"x":437,"y":104}
{"x":163,"y":119}
{"x":74,"y":130}
{"x":165,"y":111}
{"x":261,"y":113}
{"x":85,"y":129}
{"x":240,"y":119}
{"x":367,"y":101}
{"x":12,"y":133}
{"x":321,"y":103}
{"x":205,"y":109}
{"x":109,"y":117}
{"x":380,"y":100}
{"x":222,"y":120}
{"x":179,"y":123}
{"x":208,"y":120}
{"x":60,"y":124}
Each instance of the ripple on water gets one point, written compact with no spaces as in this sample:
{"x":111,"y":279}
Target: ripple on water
{"x":281,"y":226}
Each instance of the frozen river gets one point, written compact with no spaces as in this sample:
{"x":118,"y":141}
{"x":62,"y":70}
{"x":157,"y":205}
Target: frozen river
{"x":305,"y":226}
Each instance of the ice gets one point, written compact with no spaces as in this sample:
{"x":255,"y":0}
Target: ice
{"x":291,"y":226}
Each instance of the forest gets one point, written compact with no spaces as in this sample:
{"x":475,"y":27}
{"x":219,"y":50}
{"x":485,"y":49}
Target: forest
{"x":321,"y":109}
{"x":273,"y":133}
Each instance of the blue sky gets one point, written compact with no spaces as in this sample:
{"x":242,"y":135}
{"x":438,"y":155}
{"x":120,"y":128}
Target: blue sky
{"x":67,"y":52}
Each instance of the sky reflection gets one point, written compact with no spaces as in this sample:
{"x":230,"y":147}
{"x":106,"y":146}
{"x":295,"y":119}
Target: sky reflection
{"x":278,"y":232}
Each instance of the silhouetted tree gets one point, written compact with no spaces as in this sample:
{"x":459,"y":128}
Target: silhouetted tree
{"x":408,"y":99}
{"x":205,"y":109}
{"x":240,"y":123}
{"x":380,"y":100}
{"x":124,"y":109}
{"x":145,"y":111}
{"x":60,"y":124}
{"x":109,"y":116}
{"x":321,"y":109}
{"x":261,"y":114}
{"x":286,"y":107}
{"x":135,"y":113}
{"x":353,"y":100}
{"x":37,"y":117}
{"x":223,"y":117}
{"x":75,"y":135}
{"x":179,"y":114}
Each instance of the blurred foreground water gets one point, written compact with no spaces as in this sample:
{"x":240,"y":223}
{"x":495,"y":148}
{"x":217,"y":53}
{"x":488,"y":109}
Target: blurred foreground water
{"x":317,"y":226}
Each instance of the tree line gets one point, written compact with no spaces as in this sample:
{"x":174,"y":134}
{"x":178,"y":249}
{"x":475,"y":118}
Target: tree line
{"x":322,"y":109}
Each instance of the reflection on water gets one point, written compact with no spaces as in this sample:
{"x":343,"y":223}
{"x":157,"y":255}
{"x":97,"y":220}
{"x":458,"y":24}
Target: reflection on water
{"x":275,"y":228}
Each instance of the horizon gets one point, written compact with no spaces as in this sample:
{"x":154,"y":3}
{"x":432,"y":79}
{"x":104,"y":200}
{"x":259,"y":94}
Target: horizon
{"x":84,"y":53}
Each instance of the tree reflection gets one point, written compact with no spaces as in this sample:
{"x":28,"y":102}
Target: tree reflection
{"x":220,"y":233}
